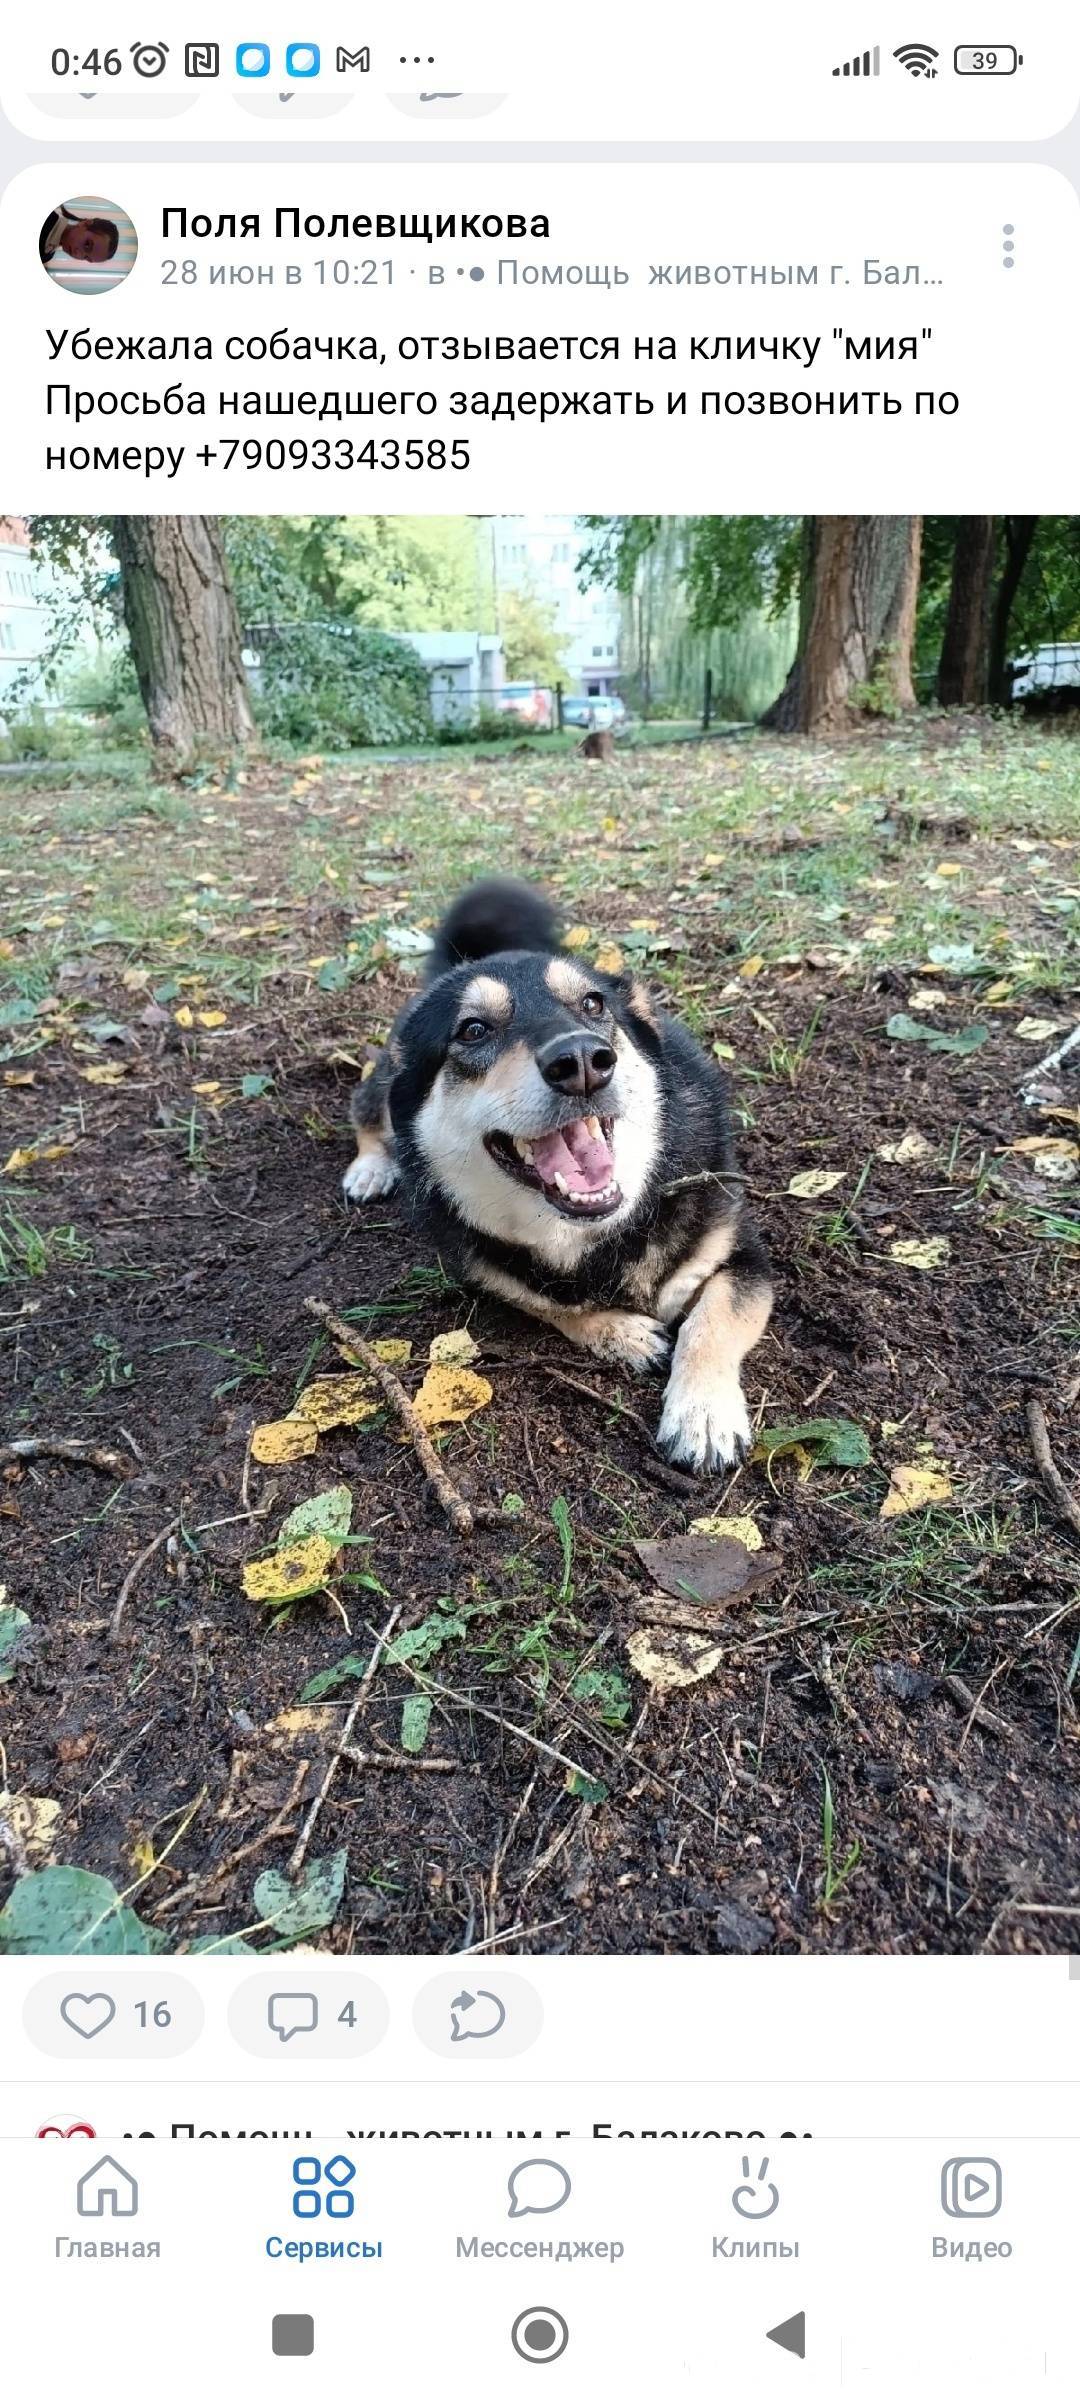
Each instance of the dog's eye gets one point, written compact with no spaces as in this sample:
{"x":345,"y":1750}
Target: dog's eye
{"x":472,"y":1029}
{"x":592,"y":1005}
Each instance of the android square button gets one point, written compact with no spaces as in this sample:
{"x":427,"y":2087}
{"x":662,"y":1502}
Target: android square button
{"x":293,"y":2337}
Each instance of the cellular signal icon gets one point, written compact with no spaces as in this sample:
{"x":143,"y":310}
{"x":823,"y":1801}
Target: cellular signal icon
{"x":867,"y":62}
{"x":918,"y":58}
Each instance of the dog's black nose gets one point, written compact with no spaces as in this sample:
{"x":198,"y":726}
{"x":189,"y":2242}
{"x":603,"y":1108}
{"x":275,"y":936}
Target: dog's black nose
{"x":576,"y":1062}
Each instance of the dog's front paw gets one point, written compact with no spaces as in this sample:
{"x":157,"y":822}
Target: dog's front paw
{"x":705,"y":1429}
{"x":370,"y":1176}
{"x":625,"y":1340}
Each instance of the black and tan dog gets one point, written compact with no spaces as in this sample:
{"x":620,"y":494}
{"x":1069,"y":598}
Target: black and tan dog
{"x":569,"y":1149}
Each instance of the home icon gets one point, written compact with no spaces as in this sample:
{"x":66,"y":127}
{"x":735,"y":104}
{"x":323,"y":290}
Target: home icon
{"x":107,"y":2190}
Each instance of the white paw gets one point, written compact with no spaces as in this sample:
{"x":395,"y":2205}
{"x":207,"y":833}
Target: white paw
{"x":705,"y":1429}
{"x":641,"y":1343}
{"x":371,"y":1175}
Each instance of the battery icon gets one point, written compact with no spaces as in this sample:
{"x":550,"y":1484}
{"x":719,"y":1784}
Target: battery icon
{"x":987,"y":58}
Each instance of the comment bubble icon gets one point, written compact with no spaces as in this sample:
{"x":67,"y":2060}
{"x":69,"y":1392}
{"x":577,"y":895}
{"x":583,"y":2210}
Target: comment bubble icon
{"x":288,"y":2013}
{"x":538,"y":2187}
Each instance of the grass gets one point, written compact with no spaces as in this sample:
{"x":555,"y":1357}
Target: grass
{"x":836,"y":1872}
{"x":27,"y":1252}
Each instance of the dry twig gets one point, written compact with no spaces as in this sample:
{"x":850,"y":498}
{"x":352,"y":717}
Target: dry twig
{"x":77,"y":1454}
{"x":1063,"y":1499}
{"x":128,"y":1584}
{"x":462,"y":1517}
{"x":308,"y":1827}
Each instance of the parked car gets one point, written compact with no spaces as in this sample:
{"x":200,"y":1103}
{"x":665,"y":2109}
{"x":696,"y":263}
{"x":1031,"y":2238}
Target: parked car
{"x":595,"y":712}
{"x":1053,"y":667}
{"x":530,"y":703}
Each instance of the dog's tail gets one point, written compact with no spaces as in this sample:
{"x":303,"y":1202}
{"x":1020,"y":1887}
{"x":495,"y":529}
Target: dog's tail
{"x":495,"y":915}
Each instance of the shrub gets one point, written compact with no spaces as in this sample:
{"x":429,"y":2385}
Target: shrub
{"x":339,"y":687}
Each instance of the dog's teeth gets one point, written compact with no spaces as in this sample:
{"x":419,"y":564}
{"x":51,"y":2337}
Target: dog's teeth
{"x":524,"y":1149}
{"x":560,"y":1185}
{"x":592,"y":1127}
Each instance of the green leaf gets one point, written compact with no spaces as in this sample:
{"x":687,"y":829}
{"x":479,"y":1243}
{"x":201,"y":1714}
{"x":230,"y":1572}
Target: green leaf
{"x":225,"y":1945}
{"x":61,"y":1910}
{"x":333,"y":975}
{"x":329,"y":1513}
{"x":423,"y":1642}
{"x":252,"y":1087}
{"x":297,"y":1909}
{"x":14,"y":1626}
{"x":608,"y":1689}
{"x":583,"y":1787}
{"x":560,"y":1518}
{"x":512,"y":1505}
{"x":831,"y":1441}
{"x":957,"y":958}
{"x":347,"y":1670}
{"x":415,"y":1720}
{"x":908,"y":1029}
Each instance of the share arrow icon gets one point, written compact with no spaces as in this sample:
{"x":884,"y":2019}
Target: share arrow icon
{"x":791,"y":2335}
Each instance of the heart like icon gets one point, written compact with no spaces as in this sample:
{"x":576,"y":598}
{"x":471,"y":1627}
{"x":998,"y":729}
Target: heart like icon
{"x":87,"y":2013}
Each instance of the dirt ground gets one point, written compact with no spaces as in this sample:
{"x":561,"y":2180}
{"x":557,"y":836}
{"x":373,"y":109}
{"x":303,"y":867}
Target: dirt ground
{"x":884,"y":1756}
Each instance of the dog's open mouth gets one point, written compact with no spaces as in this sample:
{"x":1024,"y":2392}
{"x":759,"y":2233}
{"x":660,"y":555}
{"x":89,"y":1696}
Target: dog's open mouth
{"x":573,"y":1168}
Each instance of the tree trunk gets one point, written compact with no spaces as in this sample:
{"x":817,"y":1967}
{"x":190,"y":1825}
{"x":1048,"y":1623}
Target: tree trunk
{"x":185,"y":635}
{"x":858,"y":646}
{"x":1019,"y":536}
{"x":783,"y":716}
{"x":964,"y":667}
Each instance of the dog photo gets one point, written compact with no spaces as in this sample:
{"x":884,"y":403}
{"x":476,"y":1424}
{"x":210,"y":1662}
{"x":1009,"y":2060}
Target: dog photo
{"x":539,"y":1235}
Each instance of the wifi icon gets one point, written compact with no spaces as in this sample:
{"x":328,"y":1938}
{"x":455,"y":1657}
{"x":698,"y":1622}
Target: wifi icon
{"x":918,"y":58}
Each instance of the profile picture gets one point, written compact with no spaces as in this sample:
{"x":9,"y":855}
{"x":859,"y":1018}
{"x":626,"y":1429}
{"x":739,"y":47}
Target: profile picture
{"x":88,"y":245}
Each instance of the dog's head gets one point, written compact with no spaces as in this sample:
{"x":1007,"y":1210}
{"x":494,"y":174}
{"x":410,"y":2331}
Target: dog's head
{"x":529,"y":1097}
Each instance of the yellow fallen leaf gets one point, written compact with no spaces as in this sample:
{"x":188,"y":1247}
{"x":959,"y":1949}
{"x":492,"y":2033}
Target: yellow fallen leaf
{"x":907,"y":1151}
{"x":392,"y":1354}
{"x":926,"y":1255}
{"x":1046,"y":1145}
{"x":668,"y":1660}
{"x":1036,"y":1029}
{"x":335,"y":1400}
{"x":578,"y":938}
{"x":211,"y":1018}
{"x":734,"y":1529}
{"x":914,"y":1487}
{"x":454,"y":1349}
{"x":449,"y":1395}
{"x":286,"y":1438}
{"x":184,"y":1015}
{"x":815,"y":1182}
{"x":996,"y":994}
{"x":34,"y":1158}
{"x":33,"y":1823}
{"x":291,"y":1573}
{"x":18,"y":1078}
{"x":143,"y":1856}
{"x":752,"y":966}
{"x":102,"y":1074}
{"x":713,"y":858}
{"x":644,"y":924}
{"x":206,"y":1090}
{"x":948,"y":866}
{"x":609,"y":959}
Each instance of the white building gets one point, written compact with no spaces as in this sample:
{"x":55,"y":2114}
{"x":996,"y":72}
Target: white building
{"x":542,"y":555}
{"x":465,"y":671}
{"x":24,"y":613}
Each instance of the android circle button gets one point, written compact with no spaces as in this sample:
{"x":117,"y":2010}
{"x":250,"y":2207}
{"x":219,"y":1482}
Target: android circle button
{"x":478,"y":2017}
{"x":296,"y":2016}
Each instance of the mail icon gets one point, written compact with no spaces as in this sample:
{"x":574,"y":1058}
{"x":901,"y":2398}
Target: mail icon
{"x":355,"y":61}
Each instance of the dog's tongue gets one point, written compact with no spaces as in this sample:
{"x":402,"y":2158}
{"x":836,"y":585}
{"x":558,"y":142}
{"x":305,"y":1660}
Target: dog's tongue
{"x":582,"y":1158}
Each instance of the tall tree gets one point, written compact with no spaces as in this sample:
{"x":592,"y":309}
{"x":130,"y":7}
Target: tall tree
{"x":858,"y":598}
{"x":1019,"y":536}
{"x":964,"y":667}
{"x":184,"y":632}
